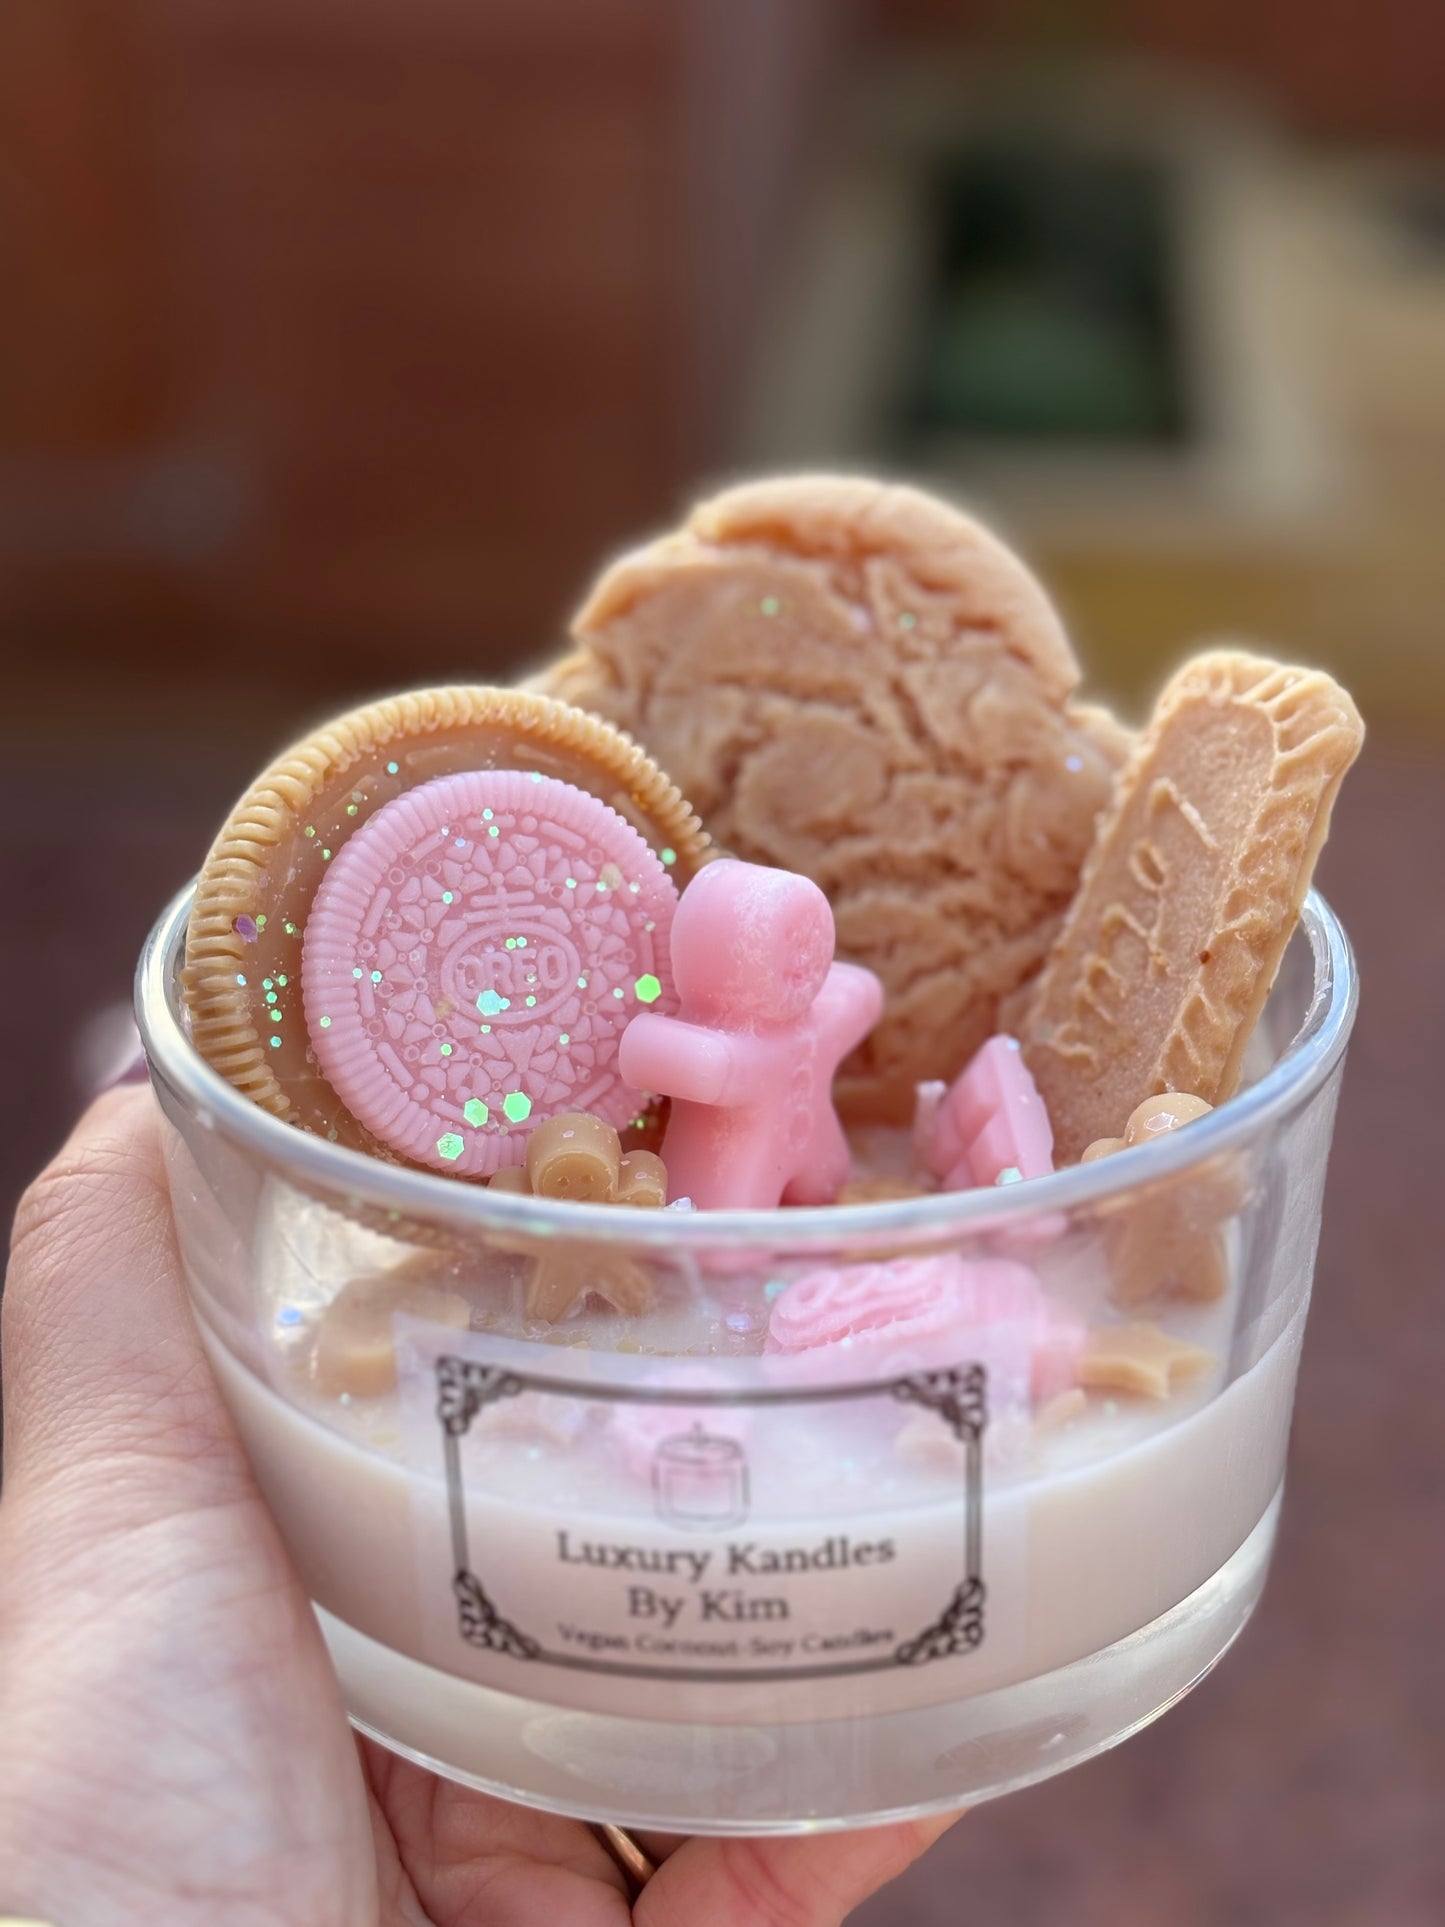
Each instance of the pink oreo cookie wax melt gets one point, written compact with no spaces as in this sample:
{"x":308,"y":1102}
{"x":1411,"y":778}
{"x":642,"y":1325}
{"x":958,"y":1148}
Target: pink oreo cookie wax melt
{"x":472,"y":959}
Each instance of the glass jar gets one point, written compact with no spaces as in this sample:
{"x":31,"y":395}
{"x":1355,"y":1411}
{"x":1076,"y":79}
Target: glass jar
{"x":645,"y":1569}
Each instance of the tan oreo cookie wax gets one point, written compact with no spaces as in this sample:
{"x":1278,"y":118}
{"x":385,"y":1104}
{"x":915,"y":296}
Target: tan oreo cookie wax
{"x":1192,"y":890}
{"x":857,"y":682}
{"x":242,"y":977}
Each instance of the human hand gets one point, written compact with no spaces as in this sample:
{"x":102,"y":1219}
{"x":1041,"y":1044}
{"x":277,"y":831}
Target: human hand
{"x":173,"y":1746}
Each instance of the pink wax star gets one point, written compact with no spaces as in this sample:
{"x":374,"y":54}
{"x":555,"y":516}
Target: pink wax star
{"x":765,"y":1018}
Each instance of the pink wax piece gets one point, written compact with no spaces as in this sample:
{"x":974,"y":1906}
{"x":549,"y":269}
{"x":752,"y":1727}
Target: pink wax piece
{"x":942,"y":1310}
{"x":991,"y":1121}
{"x":905,"y":1297}
{"x":765,"y":1016}
{"x":472,"y":959}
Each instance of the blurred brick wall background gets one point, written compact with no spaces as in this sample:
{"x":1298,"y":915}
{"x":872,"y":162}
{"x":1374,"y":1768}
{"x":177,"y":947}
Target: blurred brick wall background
{"x":341,"y":340}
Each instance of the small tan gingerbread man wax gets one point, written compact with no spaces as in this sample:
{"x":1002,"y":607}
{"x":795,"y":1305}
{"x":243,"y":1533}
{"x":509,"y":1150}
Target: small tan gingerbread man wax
{"x":578,"y":1156}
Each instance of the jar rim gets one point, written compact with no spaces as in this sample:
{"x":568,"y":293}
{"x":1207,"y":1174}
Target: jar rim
{"x":1301,"y":1069}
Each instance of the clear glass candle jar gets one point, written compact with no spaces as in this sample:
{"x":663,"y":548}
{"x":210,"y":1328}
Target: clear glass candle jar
{"x":640,"y":1569}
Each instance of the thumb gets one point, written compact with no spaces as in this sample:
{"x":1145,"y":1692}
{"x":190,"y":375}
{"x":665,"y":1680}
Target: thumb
{"x":101,"y":1357}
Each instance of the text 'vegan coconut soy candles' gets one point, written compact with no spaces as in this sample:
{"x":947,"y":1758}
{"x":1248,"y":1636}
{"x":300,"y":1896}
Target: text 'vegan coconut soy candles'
{"x":658,"y":1441}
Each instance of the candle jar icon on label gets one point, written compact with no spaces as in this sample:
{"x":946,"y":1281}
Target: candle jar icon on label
{"x":700,"y":1480}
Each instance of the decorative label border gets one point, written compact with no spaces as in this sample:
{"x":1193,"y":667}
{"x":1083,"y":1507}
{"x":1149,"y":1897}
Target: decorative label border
{"x":959,"y":1396}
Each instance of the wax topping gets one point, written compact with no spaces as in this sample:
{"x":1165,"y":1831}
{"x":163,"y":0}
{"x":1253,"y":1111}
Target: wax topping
{"x":1198,"y":871}
{"x":1139,"y":1358}
{"x":858,"y":683}
{"x":580,"y":1157}
{"x":764,"y":1017}
{"x":1164,"y":1241}
{"x":354,"y":1354}
{"x":256,"y":889}
{"x":512,"y":946}
{"x":990,"y":1126}
{"x":1156,"y":1115}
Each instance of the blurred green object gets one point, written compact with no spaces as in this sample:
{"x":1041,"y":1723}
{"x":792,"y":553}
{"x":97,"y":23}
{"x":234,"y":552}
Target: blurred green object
{"x":1050,"y":312}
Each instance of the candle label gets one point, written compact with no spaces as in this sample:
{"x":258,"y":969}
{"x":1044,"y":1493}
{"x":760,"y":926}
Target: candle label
{"x":699,"y":1533}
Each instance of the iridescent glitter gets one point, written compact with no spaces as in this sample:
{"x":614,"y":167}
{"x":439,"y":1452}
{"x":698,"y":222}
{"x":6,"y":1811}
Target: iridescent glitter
{"x":325,"y":1022}
{"x":490,"y":1003}
{"x":475,"y":1112}
{"x":245,"y":928}
{"x":669,"y":857}
{"x":770,"y":605}
{"x":648,"y":989}
{"x":517,"y":1106}
{"x":450,"y":1146}
{"x":391,"y":769}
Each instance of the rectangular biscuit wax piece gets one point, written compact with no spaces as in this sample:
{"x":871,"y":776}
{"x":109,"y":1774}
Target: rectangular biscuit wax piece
{"x":1190,"y":894}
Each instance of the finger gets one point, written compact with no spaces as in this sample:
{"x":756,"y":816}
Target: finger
{"x":794,"y":1882}
{"x":475,"y":1861}
{"x":101,"y":1356}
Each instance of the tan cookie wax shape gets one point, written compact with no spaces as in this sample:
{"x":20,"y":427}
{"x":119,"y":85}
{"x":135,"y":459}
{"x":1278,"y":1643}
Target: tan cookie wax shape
{"x":1193,"y":887}
{"x":855,"y":681}
{"x":354,"y":1352}
{"x":1163,"y":1238}
{"x":579,"y":1157}
{"x":242,"y":976}
{"x":1141,"y":1359}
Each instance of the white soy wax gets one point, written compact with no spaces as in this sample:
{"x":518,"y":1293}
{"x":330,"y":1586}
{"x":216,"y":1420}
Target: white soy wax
{"x":1120,"y":1551}
{"x":709,"y":1599}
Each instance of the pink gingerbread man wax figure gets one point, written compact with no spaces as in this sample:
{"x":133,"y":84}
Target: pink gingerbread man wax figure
{"x":766,"y":1016}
